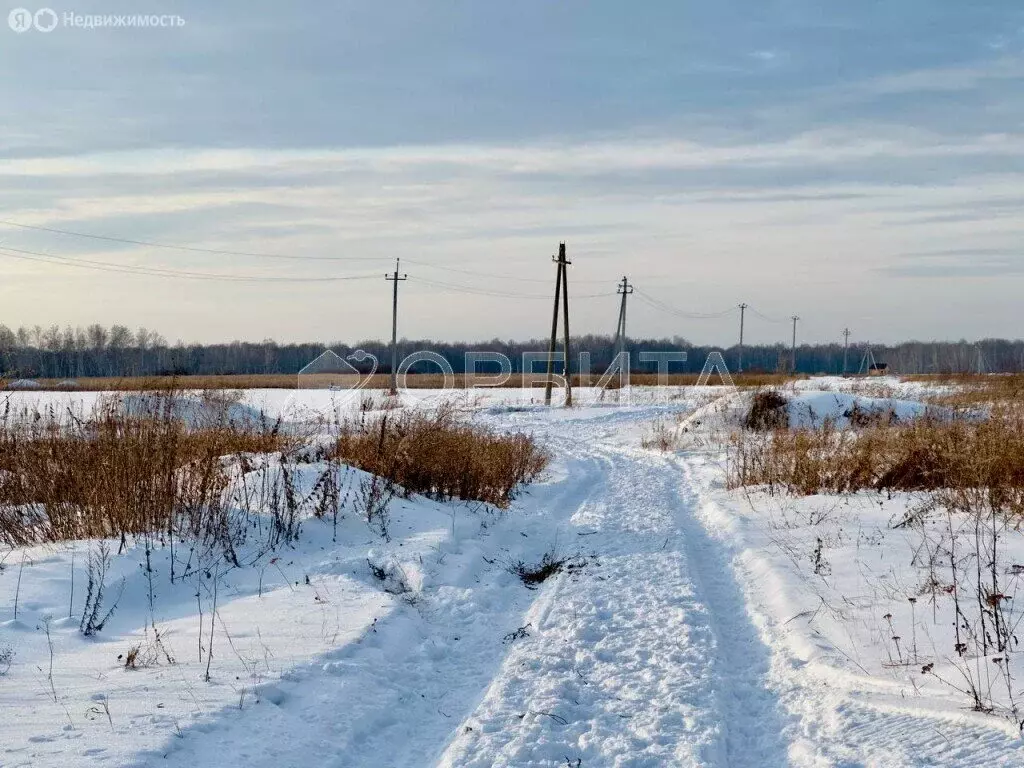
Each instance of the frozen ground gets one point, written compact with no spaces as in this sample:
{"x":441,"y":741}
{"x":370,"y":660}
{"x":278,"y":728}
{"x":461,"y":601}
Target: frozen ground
{"x":698,"y":628}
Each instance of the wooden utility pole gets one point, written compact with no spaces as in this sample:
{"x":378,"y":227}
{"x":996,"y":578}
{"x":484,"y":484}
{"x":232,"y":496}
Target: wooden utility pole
{"x":846,"y":347}
{"x":565,"y":310}
{"x":396,"y":279}
{"x":624,"y":289}
{"x":561,"y":296}
{"x":739,"y":365}
{"x":792,"y":354}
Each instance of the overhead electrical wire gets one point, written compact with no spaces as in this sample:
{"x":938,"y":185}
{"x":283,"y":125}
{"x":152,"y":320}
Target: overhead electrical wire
{"x":49,"y":258}
{"x":155,"y":271}
{"x":469,"y":289}
{"x":766,"y":318}
{"x":288,"y":256}
{"x":189,"y":248}
{"x":84,"y":263}
{"x":479,"y":273}
{"x":660,"y":305}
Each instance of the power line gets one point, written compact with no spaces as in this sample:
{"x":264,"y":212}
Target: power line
{"x":657,"y":304}
{"x":71,"y":261}
{"x":155,"y":271}
{"x":766,"y":318}
{"x":258,"y":255}
{"x":189,"y":248}
{"x":478,"y":273}
{"x":458,"y":288}
{"x":290,"y":256}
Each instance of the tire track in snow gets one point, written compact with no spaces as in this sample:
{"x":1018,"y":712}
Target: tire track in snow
{"x":391,"y":698}
{"x":752,"y":723}
{"x":647,"y":660}
{"x":830,"y":725}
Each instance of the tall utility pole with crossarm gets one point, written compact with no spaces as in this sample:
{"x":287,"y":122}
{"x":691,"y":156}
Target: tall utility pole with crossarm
{"x":792,"y":353}
{"x":739,"y":364}
{"x":396,"y":279}
{"x":624,"y":289}
{"x":561,"y":297}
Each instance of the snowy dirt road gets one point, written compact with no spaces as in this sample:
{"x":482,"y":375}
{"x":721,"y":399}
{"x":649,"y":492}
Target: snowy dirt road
{"x":665,"y":654}
{"x":648,"y":659}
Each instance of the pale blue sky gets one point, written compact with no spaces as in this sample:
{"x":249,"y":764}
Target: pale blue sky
{"x":857,"y":165}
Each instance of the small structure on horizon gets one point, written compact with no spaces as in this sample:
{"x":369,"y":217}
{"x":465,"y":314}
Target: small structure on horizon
{"x":871,"y":367}
{"x":878,"y":369}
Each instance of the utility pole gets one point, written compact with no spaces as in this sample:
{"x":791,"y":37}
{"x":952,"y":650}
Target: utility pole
{"x":561,"y":296}
{"x":846,"y":347}
{"x":868,"y":362}
{"x":792,"y":354}
{"x":565,"y":309}
{"x":739,"y":365}
{"x":624,"y":289}
{"x":396,"y":279}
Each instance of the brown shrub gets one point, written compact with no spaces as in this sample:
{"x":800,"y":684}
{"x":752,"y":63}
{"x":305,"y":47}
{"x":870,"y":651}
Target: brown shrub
{"x":968,"y":391}
{"x":768,"y":411}
{"x":118,"y":475}
{"x":922,"y":455}
{"x":441,"y":456}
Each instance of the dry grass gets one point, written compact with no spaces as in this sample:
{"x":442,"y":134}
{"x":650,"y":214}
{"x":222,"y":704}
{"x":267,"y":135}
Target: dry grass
{"x":768,"y":411}
{"x":118,"y":475}
{"x":441,"y":456}
{"x":533,"y":575}
{"x":662,"y":436}
{"x":922,"y":455}
{"x":179,"y":468}
{"x":378,"y":381}
{"x":973,"y":390}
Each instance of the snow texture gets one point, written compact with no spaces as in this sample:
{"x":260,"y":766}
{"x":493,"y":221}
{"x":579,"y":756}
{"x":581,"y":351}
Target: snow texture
{"x":688,"y":630}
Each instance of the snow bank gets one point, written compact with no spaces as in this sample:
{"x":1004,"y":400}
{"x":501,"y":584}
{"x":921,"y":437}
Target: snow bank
{"x":195,"y":411}
{"x":812,"y":408}
{"x":24,"y":384}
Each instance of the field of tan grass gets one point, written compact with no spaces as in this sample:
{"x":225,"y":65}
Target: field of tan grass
{"x":378,"y":381}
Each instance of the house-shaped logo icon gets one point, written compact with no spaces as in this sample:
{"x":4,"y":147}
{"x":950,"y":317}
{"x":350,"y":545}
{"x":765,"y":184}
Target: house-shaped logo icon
{"x":331,"y":371}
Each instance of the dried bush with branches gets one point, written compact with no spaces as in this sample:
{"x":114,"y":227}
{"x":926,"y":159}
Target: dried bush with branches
{"x":119,"y":474}
{"x":551,"y":563}
{"x":95,"y":613}
{"x":442,"y":456}
{"x":920,"y":455}
{"x":768,"y":411}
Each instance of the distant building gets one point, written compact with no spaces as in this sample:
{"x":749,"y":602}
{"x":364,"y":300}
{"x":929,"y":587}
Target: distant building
{"x":878,"y":369}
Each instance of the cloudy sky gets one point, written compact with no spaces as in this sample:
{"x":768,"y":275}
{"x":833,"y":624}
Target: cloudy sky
{"x":857,"y":164}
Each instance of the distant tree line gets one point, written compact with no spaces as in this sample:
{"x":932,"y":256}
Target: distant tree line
{"x":118,"y":351}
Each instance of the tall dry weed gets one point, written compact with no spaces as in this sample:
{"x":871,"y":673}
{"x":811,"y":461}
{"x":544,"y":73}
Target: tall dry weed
{"x":440,"y":455}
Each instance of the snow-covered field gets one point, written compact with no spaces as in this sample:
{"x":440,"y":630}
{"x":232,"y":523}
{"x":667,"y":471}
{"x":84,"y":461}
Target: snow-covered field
{"x":698,"y":626}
